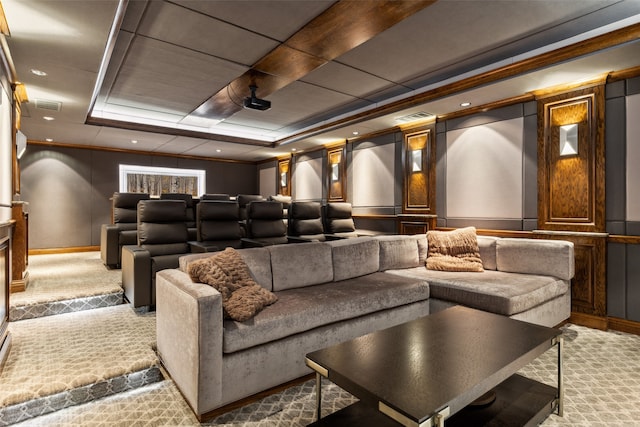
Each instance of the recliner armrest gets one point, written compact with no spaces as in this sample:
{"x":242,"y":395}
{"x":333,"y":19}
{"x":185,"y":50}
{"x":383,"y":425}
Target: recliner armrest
{"x":109,"y":244}
{"x":136,"y":275}
{"x":200,"y":247}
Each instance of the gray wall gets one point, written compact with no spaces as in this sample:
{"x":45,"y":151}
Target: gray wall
{"x":623,"y":207}
{"x":68,"y":189}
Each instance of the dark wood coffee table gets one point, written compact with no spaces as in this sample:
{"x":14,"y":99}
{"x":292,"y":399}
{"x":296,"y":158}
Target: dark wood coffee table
{"x":431,"y":369}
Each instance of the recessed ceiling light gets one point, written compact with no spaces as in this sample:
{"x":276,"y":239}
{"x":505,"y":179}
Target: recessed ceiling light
{"x":293,"y":149}
{"x":38,"y":73}
{"x":218,"y":150}
{"x":48,"y":118}
{"x":134,"y":141}
{"x":49,"y":139}
{"x":355,"y":132}
{"x":465,"y":104}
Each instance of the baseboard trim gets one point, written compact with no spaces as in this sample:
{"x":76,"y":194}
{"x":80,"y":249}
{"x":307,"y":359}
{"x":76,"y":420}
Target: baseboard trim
{"x":624,"y":325}
{"x":589,"y":320}
{"x":70,"y":249}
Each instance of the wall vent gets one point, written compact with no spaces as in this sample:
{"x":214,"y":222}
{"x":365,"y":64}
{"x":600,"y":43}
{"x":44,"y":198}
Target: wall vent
{"x":44,"y":104}
{"x":420,"y":115}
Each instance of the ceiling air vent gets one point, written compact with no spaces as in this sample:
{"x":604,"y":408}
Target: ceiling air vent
{"x":44,"y":104}
{"x":420,"y":115}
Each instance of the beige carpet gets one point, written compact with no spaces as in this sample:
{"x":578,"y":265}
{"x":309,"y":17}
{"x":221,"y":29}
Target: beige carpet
{"x":63,"y":283}
{"x":602,"y":379}
{"x":105,"y":350}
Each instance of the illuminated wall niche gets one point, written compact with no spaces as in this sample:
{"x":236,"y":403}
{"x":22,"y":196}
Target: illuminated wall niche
{"x":336,"y":174}
{"x":571,"y":161}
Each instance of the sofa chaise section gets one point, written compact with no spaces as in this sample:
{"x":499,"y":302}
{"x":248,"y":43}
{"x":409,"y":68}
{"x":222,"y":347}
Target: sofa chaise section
{"x":526,"y":279}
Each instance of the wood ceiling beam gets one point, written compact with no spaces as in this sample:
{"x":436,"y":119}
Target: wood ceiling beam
{"x":343,"y":26}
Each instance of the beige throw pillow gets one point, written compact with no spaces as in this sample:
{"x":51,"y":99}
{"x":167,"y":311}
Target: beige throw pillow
{"x":455,"y":250}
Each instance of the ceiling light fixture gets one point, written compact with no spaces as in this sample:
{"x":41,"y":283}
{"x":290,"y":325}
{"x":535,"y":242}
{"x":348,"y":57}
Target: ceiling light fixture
{"x":465,"y":104}
{"x":48,"y":118}
{"x":49,"y":139}
{"x":355,"y":132}
{"x":134,"y":141}
{"x":38,"y":73}
{"x":218,"y":150}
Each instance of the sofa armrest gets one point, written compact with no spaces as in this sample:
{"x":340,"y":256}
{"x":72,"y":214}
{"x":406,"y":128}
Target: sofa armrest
{"x":109,"y":245}
{"x":136,"y":275}
{"x":189,"y":322}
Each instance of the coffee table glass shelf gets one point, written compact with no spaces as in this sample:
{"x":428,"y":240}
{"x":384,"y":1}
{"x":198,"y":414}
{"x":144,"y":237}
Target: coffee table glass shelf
{"x":429,"y":371}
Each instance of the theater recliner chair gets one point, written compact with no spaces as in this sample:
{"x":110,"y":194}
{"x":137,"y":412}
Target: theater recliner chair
{"x":123,"y":231}
{"x":218,"y":224}
{"x":162,"y":240}
{"x":191,"y":210}
{"x":265,"y":226}
{"x":338,"y":220}
{"x":305,"y":221}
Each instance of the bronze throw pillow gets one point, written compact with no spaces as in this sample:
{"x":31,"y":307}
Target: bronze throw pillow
{"x":455,"y":250}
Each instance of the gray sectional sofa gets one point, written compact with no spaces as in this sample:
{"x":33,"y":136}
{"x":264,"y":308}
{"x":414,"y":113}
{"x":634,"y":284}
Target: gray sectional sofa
{"x":329,"y":292}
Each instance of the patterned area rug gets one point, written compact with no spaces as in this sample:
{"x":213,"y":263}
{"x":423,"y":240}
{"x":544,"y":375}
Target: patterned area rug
{"x":602,"y":379}
{"x":64,"y":360}
{"x":64,"y":283}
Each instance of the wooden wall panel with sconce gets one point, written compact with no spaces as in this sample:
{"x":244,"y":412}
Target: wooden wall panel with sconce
{"x":571,"y":191}
{"x":284,"y":177}
{"x":336,"y":173}
{"x":419,"y":183}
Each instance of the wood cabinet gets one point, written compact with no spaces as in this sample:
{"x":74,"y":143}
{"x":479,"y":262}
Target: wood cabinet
{"x":20,"y":247}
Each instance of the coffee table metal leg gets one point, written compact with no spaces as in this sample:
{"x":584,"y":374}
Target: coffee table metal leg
{"x":560,"y":379}
{"x":319,"y":394}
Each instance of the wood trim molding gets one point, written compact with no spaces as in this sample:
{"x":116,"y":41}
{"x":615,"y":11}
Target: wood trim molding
{"x":629,"y":240}
{"x":624,"y":325}
{"x":146,"y":153}
{"x":71,"y":249}
{"x":590,"y":321}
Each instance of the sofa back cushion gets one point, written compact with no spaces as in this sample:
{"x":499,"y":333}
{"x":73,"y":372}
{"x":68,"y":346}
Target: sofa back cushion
{"x":487,"y":247}
{"x":536,"y":256}
{"x":297,"y":265}
{"x":354,"y":257}
{"x":398,"y":251}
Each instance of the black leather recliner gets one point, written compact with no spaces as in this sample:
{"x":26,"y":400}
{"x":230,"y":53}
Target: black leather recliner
{"x":338,"y":220}
{"x":305,"y":221}
{"x":123,"y":231}
{"x":215,"y":196}
{"x":218,"y":224}
{"x":162,"y":240}
{"x":265,"y":225}
{"x":191,"y":210}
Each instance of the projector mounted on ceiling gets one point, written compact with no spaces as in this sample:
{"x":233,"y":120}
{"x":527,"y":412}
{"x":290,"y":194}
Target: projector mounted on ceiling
{"x":254,"y":103}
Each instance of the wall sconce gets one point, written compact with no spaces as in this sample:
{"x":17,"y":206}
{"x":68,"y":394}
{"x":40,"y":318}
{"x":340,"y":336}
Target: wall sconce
{"x":416,"y":160}
{"x":569,"y":140}
{"x":283,"y":179}
{"x":335,"y":172}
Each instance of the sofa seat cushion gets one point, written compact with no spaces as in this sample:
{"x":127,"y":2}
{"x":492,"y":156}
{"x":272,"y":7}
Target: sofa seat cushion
{"x":302,"y":309}
{"x":497,"y":292}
